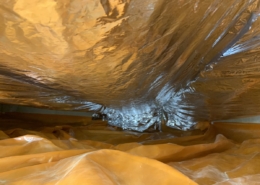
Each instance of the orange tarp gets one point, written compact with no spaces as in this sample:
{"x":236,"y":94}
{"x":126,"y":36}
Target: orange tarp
{"x":97,"y":154}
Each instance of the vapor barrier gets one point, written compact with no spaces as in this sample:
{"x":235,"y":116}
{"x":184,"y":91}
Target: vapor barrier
{"x":221,"y":154}
{"x":138,"y":62}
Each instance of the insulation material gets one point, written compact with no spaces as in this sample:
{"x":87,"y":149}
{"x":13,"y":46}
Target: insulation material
{"x":146,"y":65}
{"x":138,"y":62}
{"x":98,"y":154}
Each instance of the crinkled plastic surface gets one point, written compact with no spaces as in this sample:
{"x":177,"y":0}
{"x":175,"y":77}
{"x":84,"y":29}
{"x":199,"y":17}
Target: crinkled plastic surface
{"x":98,"y":154}
{"x":139,"y":62}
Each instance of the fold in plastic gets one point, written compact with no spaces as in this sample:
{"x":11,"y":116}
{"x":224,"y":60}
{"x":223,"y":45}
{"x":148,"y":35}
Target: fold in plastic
{"x":96,"y":154}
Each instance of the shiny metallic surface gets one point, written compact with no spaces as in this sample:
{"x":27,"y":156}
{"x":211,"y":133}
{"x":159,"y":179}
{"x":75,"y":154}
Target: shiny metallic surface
{"x":139,"y":62}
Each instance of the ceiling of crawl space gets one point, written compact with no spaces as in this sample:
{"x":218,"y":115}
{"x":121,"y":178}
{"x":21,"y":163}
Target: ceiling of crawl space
{"x":139,"y":62}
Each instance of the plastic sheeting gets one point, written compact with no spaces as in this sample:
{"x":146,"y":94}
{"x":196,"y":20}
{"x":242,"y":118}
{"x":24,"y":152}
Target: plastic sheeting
{"x":97,"y":154}
{"x":139,"y":62}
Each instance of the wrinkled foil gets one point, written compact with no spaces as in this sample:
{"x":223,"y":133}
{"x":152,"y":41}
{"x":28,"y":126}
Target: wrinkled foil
{"x":142,"y":63}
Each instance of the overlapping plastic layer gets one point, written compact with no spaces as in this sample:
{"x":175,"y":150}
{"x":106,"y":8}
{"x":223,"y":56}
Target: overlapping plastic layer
{"x":95,"y":154}
{"x":139,"y":62}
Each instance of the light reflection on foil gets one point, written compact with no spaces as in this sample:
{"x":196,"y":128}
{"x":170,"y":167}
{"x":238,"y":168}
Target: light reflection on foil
{"x":142,"y":63}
